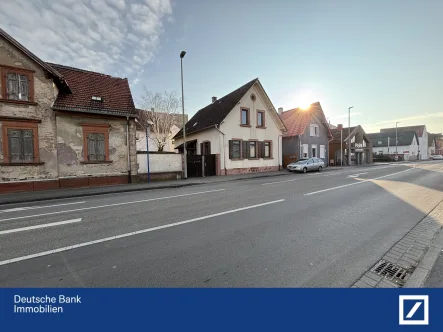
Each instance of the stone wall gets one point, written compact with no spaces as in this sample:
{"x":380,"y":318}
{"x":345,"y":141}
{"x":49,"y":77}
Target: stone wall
{"x":44,"y":96}
{"x":71,"y":148}
{"x":233,"y":171}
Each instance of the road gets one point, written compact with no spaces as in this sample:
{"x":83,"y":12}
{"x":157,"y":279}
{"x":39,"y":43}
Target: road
{"x":297,"y":230}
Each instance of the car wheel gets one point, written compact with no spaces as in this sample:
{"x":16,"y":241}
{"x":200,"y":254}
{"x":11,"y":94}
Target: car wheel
{"x":305,"y":170}
{"x":320,"y":168}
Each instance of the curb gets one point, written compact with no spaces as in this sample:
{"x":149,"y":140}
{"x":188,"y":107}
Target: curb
{"x":124,"y":190}
{"x":421,"y":273}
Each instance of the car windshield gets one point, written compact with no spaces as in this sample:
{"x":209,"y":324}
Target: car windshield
{"x":303,"y":161}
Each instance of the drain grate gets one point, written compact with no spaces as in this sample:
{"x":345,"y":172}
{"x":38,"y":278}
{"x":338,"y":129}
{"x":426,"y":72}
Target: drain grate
{"x":392,"y":272}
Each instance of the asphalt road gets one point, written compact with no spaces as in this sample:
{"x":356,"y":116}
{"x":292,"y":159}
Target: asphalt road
{"x":300,"y":230}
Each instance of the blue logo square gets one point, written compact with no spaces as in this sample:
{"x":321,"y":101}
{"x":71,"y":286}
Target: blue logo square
{"x":413,"y":310}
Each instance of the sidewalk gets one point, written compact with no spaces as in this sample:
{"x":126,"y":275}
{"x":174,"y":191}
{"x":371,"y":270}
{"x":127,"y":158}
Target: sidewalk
{"x":34,"y":196}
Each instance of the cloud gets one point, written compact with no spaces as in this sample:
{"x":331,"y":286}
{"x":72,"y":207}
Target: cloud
{"x":410,"y":120}
{"x":109,"y":36}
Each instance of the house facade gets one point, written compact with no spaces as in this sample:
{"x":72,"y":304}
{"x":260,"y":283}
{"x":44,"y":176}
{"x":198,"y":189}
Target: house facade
{"x":432,"y":144}
{"x":307,"y":135}
{"x":361,"y":146}
{"x":61,"y":126}
{"x":422,"y":136}
{"x":408,"y":147}
{"x":242,"y":128}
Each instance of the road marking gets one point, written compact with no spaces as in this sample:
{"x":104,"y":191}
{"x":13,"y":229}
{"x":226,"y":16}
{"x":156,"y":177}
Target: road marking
{"x":356,"y":175}
{"x":108,"y":205}
{"x":37,"y":207}
{"x":301,"y":178}
{"x":354,"y":183}
{"x":84,"y":244}
{"x":15,"y":230}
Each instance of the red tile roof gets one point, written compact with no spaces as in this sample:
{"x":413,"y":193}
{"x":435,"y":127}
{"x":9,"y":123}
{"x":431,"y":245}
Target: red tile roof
{"x":297,"y":119}
{"x":115,"y":93}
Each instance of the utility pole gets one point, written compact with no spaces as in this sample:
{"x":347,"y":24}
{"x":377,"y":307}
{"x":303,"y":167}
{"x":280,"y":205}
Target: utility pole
{"x":185,"y":173}
{"x":349,"y":135}
{"x":396,"y":140}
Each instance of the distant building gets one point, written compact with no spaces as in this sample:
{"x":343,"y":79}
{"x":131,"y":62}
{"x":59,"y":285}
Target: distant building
{"x":407,"y":147}
{"x":422,"y":136}
{"x":361,"y":146}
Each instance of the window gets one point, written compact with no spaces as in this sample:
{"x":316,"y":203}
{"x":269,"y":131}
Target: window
{"x":314,"y":150}
{"x":20,"y":142}
{"x":314,"y":130}
{"x":235,"y":149}
{"x":252,"y":149}
{"x":244,"y":117}
{"x":267,"y":152}
{"x":305,"y":151}
{"x":96,"y":143}
{"x":260,"y":119}
{"x":205,"y":148}
{"x":17,"y":85}
{"x":322,"y":151}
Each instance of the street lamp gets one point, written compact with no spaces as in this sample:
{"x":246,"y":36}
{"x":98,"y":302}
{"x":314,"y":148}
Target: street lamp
{"x":396,"y":140}
{"x":185,"y":175}
{"x":349,"y":135}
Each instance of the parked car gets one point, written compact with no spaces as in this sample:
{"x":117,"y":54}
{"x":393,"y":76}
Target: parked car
{"x":306,"y":165}
{"x":437,"y":157}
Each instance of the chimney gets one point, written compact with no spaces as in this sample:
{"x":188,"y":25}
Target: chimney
{"x":214,"y":99}
{"x":280,"y":110}
{"x":340,"y":127}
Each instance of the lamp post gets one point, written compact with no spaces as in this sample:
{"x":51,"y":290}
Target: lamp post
{"x":185,"y":173}
{"x":396,"y":140}
{"x":349,"y":135}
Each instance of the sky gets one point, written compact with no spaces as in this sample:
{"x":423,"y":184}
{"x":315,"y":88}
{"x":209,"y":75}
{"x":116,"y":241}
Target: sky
{"x":384,"y":57}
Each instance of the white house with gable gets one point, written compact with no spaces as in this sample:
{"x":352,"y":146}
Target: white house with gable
{"x":242,"y":129}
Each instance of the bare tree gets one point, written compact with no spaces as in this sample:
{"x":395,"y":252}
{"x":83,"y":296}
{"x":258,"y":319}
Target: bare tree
{"x":160,"y":113}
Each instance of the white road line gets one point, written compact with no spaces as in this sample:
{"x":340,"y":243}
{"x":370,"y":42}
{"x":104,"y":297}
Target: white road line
{"x":108,"y":205}
{"x":84,"y":244}
{"x":264,"y":184}
{"x":15,"y":230}
{"x":354,"y":183}
{"x":37,"y":207}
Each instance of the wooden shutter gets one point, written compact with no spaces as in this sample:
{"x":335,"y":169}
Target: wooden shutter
{"x":100,"y":146}
{"x":262,"y":150}
{"x":231,"y":149}
{"x":245,"y":149}
{"x":92,"y":142}
{"x":15,"y":145}
{"x":12,"y":86}
{"x":24,"y":87}
{"x":28,"y":145}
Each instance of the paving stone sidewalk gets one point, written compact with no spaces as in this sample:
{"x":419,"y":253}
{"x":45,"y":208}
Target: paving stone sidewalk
{"x":413,"y":253}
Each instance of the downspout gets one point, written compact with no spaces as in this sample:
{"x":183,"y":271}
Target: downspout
{"x":224,"y":153}
{"x":129,"y":149}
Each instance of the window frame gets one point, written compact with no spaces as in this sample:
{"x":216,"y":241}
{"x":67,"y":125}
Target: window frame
{"x":94,"y":128}
{"x":255,"y":143}
{"x":6,"y":125}
{"x":239,"y":149}
{"x":248,"y":117}
{"x":263,"y":125}
{"x":4,"y":70}
{"x":270,"y":149}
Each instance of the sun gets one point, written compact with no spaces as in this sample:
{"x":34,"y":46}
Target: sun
{"x":304,"y":99}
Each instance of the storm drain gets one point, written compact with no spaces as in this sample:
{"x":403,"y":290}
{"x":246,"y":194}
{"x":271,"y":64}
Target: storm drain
{"x":392,"y":272}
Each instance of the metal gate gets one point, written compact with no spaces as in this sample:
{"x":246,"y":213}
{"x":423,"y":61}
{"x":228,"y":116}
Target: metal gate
{"x":194,"y":164}
{"x":197,"y":169}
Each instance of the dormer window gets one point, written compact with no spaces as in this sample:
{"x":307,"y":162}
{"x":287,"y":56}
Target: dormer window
{"x":96,"y":98}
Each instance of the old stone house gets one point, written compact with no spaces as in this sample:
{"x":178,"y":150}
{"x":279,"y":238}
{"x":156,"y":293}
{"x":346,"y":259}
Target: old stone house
{"x":61,"y":126}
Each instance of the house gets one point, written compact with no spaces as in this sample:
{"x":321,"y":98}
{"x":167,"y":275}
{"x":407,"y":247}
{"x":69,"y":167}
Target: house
{"x":361,"y":146}
{"x":62,"y":126}
{"x":307,"y":134}
{"x":432,"y":143}
{"x":242,"y":129}
{"x":408,"y":146}
{"x":421,"y":134}
{"x":155,"y":140}
{"x":439,"y":144}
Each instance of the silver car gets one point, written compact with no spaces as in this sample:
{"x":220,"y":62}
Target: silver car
{"x":306,"y":165}
{"x":437,"y":157}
